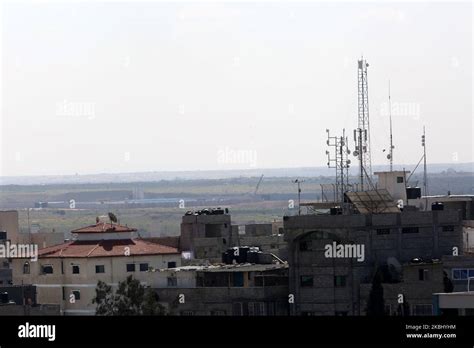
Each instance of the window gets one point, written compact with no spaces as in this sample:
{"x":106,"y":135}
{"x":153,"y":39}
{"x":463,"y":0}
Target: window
{"x":130,"y":267}
{"x":410,"y":230}
{"x":187,"y":313}
{"x":423,"y":309}
{"x":304,"y":246}
{"x":339,"y":281}
{"x":399,"y":179}
{"x":422,"y":274}
{"x":462,"y":273}
{"x":77,"y":294}
{"x":306,"y":281}
{"x":448,"y":229}
{"x":218,"y":313}
{"x":47,"y":269}
{"x":381,"y":231}
{"x":99,"y":269}
{"x":172,"y":281}
{"x":143,"y":267}
{"x":26,"y":268}
{"x":75,"y":269}
{"x":171,"y":264}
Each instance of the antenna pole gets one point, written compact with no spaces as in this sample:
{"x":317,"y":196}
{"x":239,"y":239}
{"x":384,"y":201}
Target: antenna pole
{"x":391,"y":134}
{"x":298,"y":182}
{"x":425,"y":180}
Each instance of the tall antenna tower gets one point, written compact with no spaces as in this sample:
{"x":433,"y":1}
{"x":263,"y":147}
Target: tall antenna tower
{"x":390,"y":154}
{"x":340,"y":162}
{"x":363,"y":119}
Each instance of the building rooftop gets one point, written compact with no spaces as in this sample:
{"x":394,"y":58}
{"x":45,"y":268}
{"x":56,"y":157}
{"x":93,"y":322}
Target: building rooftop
{"x":105,"y":248}
{"x":239,"y":267}
{"x":104,"y":227}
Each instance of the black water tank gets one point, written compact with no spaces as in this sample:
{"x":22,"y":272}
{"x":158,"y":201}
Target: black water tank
{"x":437,"y":206}
{"x":413,"y":192}
{"x":242,"y":257}
{"x":252,"y":256}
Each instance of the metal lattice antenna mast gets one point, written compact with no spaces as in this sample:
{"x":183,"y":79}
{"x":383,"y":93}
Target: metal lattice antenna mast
{"x":340,"y":162}
{"x":363,"y":118}
{"x":390,"y":154}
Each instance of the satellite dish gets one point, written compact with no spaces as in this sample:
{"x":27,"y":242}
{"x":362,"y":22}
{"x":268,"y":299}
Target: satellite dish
{"x":348,"y":161}
{"x":348,"y":151}
{"x":388,"y":156}
{"x":355,"y":153}
{"x":112,"y":217}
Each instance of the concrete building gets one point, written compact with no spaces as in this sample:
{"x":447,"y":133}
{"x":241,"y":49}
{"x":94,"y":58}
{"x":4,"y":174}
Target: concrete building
{"x":9,"y":224}
{"x":325,"y":285}
{"x":205,"y":236}
{"x":239,"y":290}
{"x":67,"y":274}
{"x":461,"y":302}
{"x":21,"y":300}
{"x":416,"y":284}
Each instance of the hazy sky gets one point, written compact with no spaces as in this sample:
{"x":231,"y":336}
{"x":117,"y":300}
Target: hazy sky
{"x":91,"y":87}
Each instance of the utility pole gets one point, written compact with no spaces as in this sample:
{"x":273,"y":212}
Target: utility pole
{"x":425,"y":178}
{"x":298,"y":182}
{"x":390,"y":154}
{"x":340,"y":162}
{"x":359,"y":135}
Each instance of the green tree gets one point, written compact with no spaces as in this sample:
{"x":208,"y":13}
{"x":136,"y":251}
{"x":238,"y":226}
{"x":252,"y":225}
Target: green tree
{"x":131,"y":298}
{"x":104,"y":298}
{"x":376,"y":303}
{"x":150,"y":305}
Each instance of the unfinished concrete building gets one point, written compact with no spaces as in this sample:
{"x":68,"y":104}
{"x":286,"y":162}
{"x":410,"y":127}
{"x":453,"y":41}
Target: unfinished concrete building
{"x":391,"y":238}
{"x":237,"y":290}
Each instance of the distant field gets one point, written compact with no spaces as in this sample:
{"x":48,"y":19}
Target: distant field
{"x":270,"y":202}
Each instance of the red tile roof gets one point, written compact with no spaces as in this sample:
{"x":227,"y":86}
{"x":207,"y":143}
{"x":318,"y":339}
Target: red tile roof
{"x":104,"y":227}
{"x":105,"y":248}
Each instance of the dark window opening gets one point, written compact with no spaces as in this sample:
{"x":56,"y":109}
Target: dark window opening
{"x":306,"y":281}
{"x":448,"y":228}
{"x":77,"y":294}
{"x":171,"y":264}
{"x":99,"y":269}
{"x":143,"y":267}
{"x":130,"y":267}
{"x":410,"y":230}
{"x":422,"y":274}
{"x":26,"y":268}
{"x":304,"y":246}
{"x":75,"y":269}
{"x":339,"y":281}
{"x":399,"y":179}
{"x":48,"y":269}
{"x":381,"y":231}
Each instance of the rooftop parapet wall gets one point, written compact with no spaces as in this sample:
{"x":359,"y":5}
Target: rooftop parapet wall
{"x":206,"y":219}
{"x":425,"y":218}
